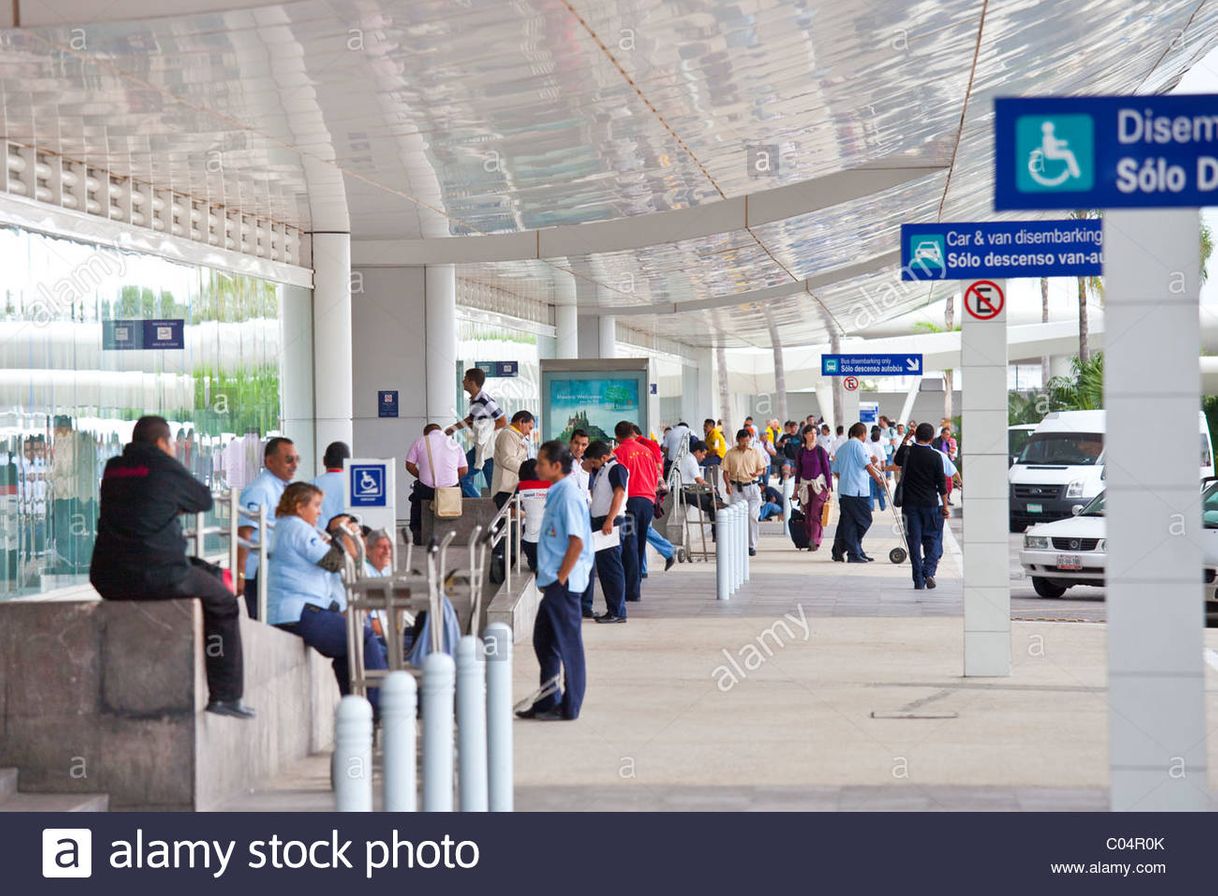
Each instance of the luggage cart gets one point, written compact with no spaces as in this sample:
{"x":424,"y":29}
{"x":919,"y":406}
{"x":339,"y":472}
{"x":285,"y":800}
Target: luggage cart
{"x":897,"y":555}
{"x":396,"y":600}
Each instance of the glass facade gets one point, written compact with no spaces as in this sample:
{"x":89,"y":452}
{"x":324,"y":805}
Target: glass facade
{"x":73,"y":381}
{"x":480,"y":342}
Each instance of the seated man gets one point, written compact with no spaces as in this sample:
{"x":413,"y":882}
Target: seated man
{"x":141,"y":552}
{"x":771,"y":503}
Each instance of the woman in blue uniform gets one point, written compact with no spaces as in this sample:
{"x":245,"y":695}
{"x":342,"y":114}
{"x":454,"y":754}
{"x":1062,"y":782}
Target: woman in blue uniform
{"x":300,"y":584}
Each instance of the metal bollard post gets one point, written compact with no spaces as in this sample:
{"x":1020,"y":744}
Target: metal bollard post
{"x":729,"y":546}
{"x":737,"y":561}
{"x":399,"y":705}
{"x":723,"y":587}
{"x":352,"y":761}
{"x":498,"y":650}
{"x":439,"y":678}
{"x":471,"y":725}
{"x":744,"y":546}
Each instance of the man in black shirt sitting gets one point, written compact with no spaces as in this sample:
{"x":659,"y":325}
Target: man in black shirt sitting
{"x":923,"y":503}
{"x":141,"y":552}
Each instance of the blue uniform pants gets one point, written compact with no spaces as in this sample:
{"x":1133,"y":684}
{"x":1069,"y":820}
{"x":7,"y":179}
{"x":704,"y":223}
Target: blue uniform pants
{"x":924,"y":526}
{"x":854,"y":519}
{"x":640,"y":512}
{"x":559,"y":644}
{"x":326,"y":632}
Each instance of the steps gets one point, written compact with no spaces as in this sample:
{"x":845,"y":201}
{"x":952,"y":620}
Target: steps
{"x":12,"y":800}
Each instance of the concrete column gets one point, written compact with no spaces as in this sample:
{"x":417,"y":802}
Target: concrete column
{"x":698,"y":399}
{"x":850,"y":406}
{"x":987,"y":584}
{"x":566,"y":319}
{"x":824,"y":400}
{"x":1156,"y":672}
{"x":440,"y":321}
{"x":608,"y":337}
{"x":332,"y":381}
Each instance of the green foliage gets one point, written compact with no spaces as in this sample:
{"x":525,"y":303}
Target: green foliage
{"x":1025,"y":407}
{"x":1082,"y":390}
{"x":238,"y":403}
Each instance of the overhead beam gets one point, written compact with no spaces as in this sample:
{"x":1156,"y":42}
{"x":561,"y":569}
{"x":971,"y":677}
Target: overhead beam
{"x":642,"y":231}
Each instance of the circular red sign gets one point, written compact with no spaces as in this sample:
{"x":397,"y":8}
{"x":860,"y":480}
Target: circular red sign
{"x":984,"y":299}
{"x":851,"y":383}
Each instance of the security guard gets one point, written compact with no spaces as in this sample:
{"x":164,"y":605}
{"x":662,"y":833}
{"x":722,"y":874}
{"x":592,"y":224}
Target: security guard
{"x":280,"y":460}
{"x":564,"y":565}
{"x":141,"y":552}
{"x":331,"y":482}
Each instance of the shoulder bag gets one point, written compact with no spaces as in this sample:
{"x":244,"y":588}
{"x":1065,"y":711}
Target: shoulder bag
{"x":447,"y":501}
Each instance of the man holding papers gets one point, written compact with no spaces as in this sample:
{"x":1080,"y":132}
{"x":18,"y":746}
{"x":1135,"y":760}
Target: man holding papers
{"x":609,"y":480}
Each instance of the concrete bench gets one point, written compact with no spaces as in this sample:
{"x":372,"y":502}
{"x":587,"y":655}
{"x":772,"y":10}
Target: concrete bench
{"x":109,"y":697}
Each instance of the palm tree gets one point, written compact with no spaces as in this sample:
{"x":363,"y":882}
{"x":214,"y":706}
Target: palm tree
{"x":1083,"y":390}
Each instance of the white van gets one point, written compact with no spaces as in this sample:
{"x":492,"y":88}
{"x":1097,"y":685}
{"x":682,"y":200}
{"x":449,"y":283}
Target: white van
{"x":1062,"y":466}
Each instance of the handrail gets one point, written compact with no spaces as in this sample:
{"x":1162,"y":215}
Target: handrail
{"x":498,"y":531}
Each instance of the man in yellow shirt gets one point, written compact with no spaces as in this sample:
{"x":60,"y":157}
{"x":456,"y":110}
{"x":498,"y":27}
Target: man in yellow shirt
{"x":716,"y":445}
{"x":741,"y":468}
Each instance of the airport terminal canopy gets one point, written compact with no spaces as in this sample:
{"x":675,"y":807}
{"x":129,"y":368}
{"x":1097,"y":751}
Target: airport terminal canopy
{"x":746,"y":164}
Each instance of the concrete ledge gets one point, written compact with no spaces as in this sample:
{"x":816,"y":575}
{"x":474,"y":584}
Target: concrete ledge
{"x":109,"y":697}
{"x":518,"y":611}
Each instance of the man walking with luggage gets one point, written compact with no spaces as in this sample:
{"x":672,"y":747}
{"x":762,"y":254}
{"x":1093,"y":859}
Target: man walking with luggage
{"x":923,"y":503}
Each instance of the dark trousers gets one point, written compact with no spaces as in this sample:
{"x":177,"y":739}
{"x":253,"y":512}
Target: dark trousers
{"x":924,"y":526}
{"x":251,"y":596}
{"x":612,"y":574}
{"x":854,"y":519}
{"x":221,"y":624}
{"x":418,"y":494}
{"x":326,"y":632}
{"x":559,"y":644}
{"x":641,"y":511}
{"x":501,"y":498}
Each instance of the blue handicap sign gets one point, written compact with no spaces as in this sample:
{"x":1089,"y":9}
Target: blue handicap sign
{"x":367,"y":485}
{"x":983,"y":250}
{"x":1105,"y":152}
{"x":909,"y":364}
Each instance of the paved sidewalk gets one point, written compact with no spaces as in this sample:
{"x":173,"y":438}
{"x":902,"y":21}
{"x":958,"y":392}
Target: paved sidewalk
{"x":819,"y":686}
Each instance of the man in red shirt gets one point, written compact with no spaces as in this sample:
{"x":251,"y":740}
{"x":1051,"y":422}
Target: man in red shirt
{"x":643,"y":459}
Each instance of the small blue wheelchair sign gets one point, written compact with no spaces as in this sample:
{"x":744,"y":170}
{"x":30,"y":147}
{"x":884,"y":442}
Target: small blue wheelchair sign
{"x":367,"y":485}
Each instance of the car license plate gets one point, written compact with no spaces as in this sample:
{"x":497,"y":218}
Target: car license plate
{"x":1069,"y":561}
{"x":1035,"y":508}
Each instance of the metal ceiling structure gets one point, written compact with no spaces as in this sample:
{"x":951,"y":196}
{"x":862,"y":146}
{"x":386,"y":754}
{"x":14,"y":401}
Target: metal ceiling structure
{"x":613,"y":142}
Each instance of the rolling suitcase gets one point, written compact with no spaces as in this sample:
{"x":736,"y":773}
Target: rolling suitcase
{"x":799,"y":535}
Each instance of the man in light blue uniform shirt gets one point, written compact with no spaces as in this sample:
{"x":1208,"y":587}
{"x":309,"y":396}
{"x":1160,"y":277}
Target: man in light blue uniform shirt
{"x":564,"y":565}
{"x":331,"y":482}
{"x":280,"y":460}
{"x":854,"y":469}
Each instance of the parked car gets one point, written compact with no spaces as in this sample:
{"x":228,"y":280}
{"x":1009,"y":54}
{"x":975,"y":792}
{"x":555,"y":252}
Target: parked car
{"x":1064,"y":553}
{"x":1059,"y":555}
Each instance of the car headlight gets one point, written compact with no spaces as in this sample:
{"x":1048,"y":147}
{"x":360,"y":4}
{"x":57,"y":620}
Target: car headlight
{"x":1036,"y":542}
{"x":1102,"y":546}
{"x":1075,"y":489}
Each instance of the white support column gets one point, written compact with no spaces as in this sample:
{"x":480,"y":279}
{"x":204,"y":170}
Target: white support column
{"x":850,"y":406}
{"x":824,"y":399}
{"x":987,"y":584}
{"x":440,"y":320}
{"x":332,"y":376}
{"x":608,"y":337}
{"x":566,"y":319}
{"x":1156,"y":671}
{"x":910,"y":397}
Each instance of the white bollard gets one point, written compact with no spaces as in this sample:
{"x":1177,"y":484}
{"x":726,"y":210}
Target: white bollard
{"x":723,"y":586}
{"x":352,"y":762}
{"x":738,"y":530}
{"x":744,"y":545}
{"x":471,"y":725}
{"x":439,"y":678}
{"x":498,"y":650}
{"x":399,"y":711}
